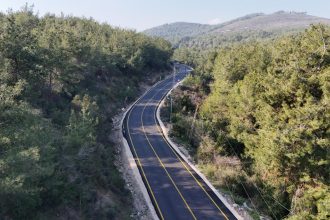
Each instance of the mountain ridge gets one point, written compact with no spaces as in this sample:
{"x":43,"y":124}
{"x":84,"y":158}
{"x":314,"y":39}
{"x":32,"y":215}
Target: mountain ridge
{"x":188,"y":33}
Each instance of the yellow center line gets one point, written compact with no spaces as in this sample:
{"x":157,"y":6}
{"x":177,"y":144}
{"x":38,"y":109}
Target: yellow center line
{"x":139,"y":163}
{"x":162,"y":162}
{"x":188,"y":168}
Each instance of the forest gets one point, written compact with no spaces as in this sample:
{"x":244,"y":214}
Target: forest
{"x":62,"y":79}
{"x":255,"y":116}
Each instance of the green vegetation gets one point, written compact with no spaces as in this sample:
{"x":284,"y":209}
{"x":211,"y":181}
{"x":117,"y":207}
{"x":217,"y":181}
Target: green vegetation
{"x":256,"y":118}
{"x":62,"y":79}
{"x":243,"y":29}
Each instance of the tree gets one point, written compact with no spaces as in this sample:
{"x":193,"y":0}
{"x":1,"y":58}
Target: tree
{"x":268,"y":106}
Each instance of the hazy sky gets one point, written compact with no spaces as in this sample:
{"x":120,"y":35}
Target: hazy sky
{"x":143,"y":14}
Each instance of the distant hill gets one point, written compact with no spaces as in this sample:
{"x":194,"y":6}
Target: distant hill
{"x":256,"y":25}
{"x":174,"y":32}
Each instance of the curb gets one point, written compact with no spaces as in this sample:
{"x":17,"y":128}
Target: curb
{"x":132,"y":162}
{"x":175,"y":147}
{"x":129,"y":156}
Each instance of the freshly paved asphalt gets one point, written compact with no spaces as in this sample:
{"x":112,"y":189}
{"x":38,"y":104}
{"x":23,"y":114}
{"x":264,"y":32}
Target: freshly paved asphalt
{"x":176,"y":191}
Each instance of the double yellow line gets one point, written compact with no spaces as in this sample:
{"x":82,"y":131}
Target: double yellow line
{"x":183,"y":163}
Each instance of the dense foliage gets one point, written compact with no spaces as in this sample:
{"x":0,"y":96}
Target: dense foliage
{"x":259,"y":124}
{"x":62,"y":79}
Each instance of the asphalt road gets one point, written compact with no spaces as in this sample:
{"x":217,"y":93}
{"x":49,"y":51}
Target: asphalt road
{"x":176,"y":191}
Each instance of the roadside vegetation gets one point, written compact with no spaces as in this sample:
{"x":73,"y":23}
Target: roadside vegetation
{"x":62,"y":79}
{"x":255,"y":116}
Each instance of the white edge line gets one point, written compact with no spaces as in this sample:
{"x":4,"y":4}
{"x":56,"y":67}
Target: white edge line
{"x":175,"y":147}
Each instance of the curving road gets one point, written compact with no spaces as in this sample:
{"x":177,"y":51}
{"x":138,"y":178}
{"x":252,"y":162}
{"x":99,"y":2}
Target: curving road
{"x":176,"y":191}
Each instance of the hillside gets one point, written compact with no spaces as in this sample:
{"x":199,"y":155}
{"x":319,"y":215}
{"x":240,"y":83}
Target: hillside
{"x":62,"y":80}
{"x":177,"y":31}
{"x":256,"y":25}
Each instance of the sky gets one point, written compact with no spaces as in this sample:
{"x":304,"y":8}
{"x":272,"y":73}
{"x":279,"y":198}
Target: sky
{"x":144,"y":14}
